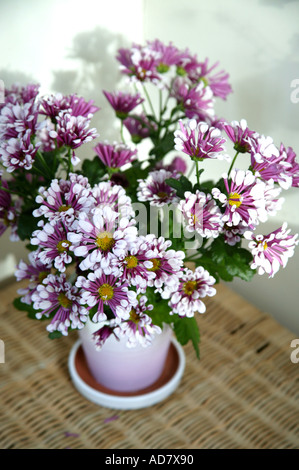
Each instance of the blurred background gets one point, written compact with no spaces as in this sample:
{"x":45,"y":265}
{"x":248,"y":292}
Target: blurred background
{"x":69,"y":46}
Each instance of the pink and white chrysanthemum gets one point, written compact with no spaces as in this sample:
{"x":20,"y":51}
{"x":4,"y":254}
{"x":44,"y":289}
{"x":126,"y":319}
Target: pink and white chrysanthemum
{"x":155,"y":190}
{"x":135,"y":265}
{"x":185,"y":299}
{"x":52,"y":105}
{"x":18,"y":153}
{"x":166,"y":264}
{"x":197,"y":101}
{"x":73,"y":131}
{"x":99,"y":290}
{"x":217,"y":82}
{"x":292,"y":169}
{"x":201,"y":214}
{"x":239,"y":134}
{"x":123,"y":103}
{"x":139,"y":127}
{"x":9,"y":211}
{"x":139,"y":328}
{"x":101,"y":238}
{"x":199,"y":141}
{"x":54,"y":245}
{"x":139,"y":63}
{"x":271,"y":251}
{"x":116,"y":155}
{"x":114,"y":196}
{"x":59,"y":299}
{"x":245,"y":199}
{"x":269,"y":163}
{"x":233,"y":234}
{"x":16,"y":119}
{"x":102,"y":334}
{"x":64,"y":200}
{"x":35,"y":271}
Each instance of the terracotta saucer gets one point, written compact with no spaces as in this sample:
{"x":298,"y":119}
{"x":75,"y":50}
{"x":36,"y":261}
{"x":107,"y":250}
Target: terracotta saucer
{"x":97,"y":393}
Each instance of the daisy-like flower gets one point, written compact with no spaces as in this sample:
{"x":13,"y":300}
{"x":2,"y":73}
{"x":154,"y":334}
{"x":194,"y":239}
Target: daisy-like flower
{"x":233,"y":234}
{"x":54,"y":245}
{"x":73,"y":131}
{"x":292,"y":169}
{"x":139,"y":63}
{"x":135,"y":265}
{"x":167,"y":55}
{"x":199,"y":141}
{"x":35,"y":271}
{"x":59,"y":299}
{"x":123,"y":103}
{"x":245,"y":199}
{"x":8,"y":211}
{"x":19,"y":153}
{"x":116,"y":155}
{"x":139,"y":127}
{"x":139,"y":328}
{"x":271,"y":251}
{"x":239,"y":134}
{"x":102,"y":334}
{"x":155,"y":190}
{"x":217,"y":82}
{"x":268,"y":163}
{"x":16,"y":119}
{"x":100,"y":290}
{"x":185,"y":299}
{"x":101,"y":238}
{"x":201,"y":214}
{"x":64,"y":200}
{"x":21,"y":94}
{"x":196,"y":101}
{"x":52,"y":105}
{"x":114,"y":196}
{"x":166,"y":264}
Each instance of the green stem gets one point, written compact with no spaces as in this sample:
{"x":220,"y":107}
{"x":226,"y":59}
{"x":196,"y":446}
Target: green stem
{"x":197,"y":172}
{"x":122,"y":131}
{"x":149,"y":101}
{"x":232,"y":163}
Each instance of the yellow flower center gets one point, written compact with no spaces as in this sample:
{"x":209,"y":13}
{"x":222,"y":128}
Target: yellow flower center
{"x":265,"y":246}
{"x":106,"y":292}
{"x":64,"y":301}
{"x":61,"y":245}
{"x":234,"y":199}
{"x":105,"y":241}
{"x":156,"y":264}
{"x":162,"y":195}
{"x":42,"y":275}
{"x":131,"y":261}
{"x":189,"y":287}
{"x":134,"y":317}
{"x":64,"y":208}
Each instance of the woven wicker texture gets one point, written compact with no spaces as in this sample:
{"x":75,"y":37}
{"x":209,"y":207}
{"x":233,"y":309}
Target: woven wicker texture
{"x":243,"y":393}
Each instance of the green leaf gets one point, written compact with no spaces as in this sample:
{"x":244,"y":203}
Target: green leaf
{"x":31,"y":312}
{"x":26,"y":224}
{"x":163,"y":147}
{"x":186,"y":329}
{"x":94,"y":170}
{"x":181,"y":185}
{"x":55,"y":335}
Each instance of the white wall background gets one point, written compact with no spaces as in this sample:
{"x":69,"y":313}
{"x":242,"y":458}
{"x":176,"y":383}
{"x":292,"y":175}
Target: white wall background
{"x":69,"y":46}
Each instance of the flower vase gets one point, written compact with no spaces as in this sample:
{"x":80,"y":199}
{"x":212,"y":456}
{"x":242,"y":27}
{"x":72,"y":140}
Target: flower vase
{"x":117,"y":376}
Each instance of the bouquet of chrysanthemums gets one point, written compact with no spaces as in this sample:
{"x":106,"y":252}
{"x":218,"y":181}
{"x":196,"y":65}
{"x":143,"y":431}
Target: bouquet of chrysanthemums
{"x":110,"y":237}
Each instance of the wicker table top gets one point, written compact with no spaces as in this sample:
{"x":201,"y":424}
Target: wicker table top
{"x":242,"y":393}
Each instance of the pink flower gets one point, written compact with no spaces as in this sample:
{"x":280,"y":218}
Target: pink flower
{"x":139,"y":63}
{"x":139,"y":127}
{"x":116,"y":155}
{"x":245,"y":199}
{"x":100,"y":290}
{"x":19,"y":153}
{"x":199,"y":141}
{"x":218,"y":82}
{"x":185,"y":298}
{"x":239,"y":133}
{"x":196,"y":100}
{"x":271,"y":251}
{"x":155,"y":190}
{"x":201,"y":214}
{"x":123,"y":103}
{"x":35,"y":271}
